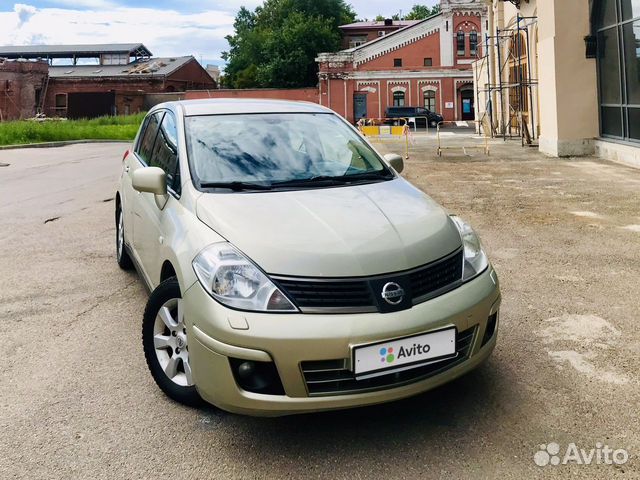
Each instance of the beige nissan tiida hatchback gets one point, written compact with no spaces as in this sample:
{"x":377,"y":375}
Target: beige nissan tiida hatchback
{"x":291,"y":268}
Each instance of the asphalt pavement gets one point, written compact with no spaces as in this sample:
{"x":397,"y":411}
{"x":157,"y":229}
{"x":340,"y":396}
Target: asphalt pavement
{"x":76,"y":400}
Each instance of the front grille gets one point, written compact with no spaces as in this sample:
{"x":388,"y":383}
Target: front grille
{"x":363,"y":294}
{"x":426,"y":281}
{"x":318,"y":294}
{"x":332,"y":377}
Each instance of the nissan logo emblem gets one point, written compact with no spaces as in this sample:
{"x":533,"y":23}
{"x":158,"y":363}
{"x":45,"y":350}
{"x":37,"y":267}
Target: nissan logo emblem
{"x":392,"y":293}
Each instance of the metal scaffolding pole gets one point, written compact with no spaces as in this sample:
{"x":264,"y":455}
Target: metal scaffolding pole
{"x":488,"y":93}
{"x":502,"y":124}
{"x":514,"y":79}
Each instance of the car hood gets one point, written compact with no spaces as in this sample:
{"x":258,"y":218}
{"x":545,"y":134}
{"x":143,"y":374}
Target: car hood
{"x":333,"y":232}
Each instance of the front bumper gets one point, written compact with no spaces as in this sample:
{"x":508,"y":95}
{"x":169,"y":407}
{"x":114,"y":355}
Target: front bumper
{"x":217,"y":333}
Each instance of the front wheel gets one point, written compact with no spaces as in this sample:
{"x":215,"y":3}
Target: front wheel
{"x":124,"y":261}
{"x":165,"y":343}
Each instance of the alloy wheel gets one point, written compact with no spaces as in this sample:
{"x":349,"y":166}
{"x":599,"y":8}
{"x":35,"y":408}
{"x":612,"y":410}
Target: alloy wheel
{"x":120,"y":243}
{"x":170,"y":343}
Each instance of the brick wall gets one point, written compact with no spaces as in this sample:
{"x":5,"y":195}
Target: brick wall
{"x":129,"y":91}
{"x":129,"y":94}
{"x":19,"y":84}
{"x":297,"y":94}
{"x":412,"y":55}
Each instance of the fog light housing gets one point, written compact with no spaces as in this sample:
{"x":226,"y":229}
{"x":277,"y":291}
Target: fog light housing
{"x":492,"y":322}
{"x":256,"y":377}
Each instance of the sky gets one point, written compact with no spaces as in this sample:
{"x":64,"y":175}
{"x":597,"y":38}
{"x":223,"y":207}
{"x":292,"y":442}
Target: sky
{"x":166,"y":27}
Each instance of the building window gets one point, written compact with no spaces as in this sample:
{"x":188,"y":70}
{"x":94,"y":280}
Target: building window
{"x":428,"y":62}
{"x":429,"y":97}
{"x":397,"y":62}
{"x":398,"y":99}
{"x":518,"y":96}
{"x":61,"y":101}
{"x":618,"y":32}
{"x":114,"y":59}
{"x":356,"y":41}
{"x":518,"y":47}
{"x":460,"y":43}
{"x":473,"y":43}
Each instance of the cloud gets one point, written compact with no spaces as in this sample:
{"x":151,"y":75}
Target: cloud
{"x":87,"y":4}
{"x":24,"y":12}
{"x":165,"y":32}
{"x":166,"y":27}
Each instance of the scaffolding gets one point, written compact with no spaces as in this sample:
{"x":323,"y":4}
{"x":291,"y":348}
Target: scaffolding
{"x":514,"y":92}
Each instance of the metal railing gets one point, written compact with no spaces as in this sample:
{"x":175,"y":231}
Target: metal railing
{"x":481,"y":126}
{"x":378,"y":129}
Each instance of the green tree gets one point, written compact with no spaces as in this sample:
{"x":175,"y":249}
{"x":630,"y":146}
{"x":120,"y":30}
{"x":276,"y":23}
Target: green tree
{"x":419,"y":12}
{"x":276,"y":45}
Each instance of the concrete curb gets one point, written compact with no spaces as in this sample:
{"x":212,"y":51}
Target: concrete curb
{"x":59,"y":144}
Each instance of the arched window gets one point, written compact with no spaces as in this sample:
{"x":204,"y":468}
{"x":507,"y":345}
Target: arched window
{"x":618,"y":37}
{"x":518,"y":71}
{"x":398,"y":99}
{"x":429,"y":97}
{"x":460,"y":44}
{"x":473,"y":43}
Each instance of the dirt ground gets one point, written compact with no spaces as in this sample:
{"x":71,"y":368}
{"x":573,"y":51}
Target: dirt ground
{"x":76,"y":400}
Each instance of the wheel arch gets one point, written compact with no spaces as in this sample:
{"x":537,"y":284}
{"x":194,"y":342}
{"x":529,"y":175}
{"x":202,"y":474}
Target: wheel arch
{"x":118,"y":205}
{"x":167,"y":271}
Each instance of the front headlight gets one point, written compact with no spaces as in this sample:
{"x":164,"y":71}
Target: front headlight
{"x":475,"y":260}
{"x":232,"y":279}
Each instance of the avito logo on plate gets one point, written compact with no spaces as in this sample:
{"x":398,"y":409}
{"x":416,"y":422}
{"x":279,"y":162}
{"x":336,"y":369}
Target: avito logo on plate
{"x":387,"y":355}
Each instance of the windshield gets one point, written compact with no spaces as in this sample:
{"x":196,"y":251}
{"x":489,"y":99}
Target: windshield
{"x":283,"y":148}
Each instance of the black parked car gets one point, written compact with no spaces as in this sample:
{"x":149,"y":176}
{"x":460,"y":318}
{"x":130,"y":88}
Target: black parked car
{"x":419,"y":113}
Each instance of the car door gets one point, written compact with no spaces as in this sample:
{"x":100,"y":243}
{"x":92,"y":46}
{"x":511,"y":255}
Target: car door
{"x":141,"y":155}
{"x":154,"y":225}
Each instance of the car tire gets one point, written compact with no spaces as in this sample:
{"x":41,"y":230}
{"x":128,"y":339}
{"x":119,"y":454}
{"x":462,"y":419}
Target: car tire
{"x":433,"y":124}
{"x":164,"y":340}
{"x":122,"y":256}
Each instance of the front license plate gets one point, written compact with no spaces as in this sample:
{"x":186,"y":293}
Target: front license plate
{"x":407,"y":352}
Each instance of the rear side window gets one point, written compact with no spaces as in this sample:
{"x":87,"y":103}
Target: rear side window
{"x":403,"y":111}
{"x":148,"y":137}
{"x":165,"y":151}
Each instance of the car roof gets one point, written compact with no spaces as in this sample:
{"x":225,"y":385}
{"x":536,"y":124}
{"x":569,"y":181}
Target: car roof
{"x":222,"y":106}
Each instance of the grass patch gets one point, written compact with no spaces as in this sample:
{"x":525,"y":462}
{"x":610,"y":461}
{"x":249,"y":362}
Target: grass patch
{"x":23,"y":132}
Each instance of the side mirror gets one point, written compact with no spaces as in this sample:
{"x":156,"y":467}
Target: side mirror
{"x":150,"y":179}
{"x":395,"y":161}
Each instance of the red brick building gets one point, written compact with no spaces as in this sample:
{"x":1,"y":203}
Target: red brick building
{"x":426,"y":64}
{"x":96,"y":90}
{"x":94,"y":80}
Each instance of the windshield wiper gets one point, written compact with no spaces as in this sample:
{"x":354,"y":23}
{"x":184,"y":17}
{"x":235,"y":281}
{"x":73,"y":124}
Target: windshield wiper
{"x":236,"y":186}
{"x":333,"y":180}
{"x":370,"y":176}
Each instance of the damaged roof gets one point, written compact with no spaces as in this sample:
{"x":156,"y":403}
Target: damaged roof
{"x":68,"y":51}
{"x":153,"y":67}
